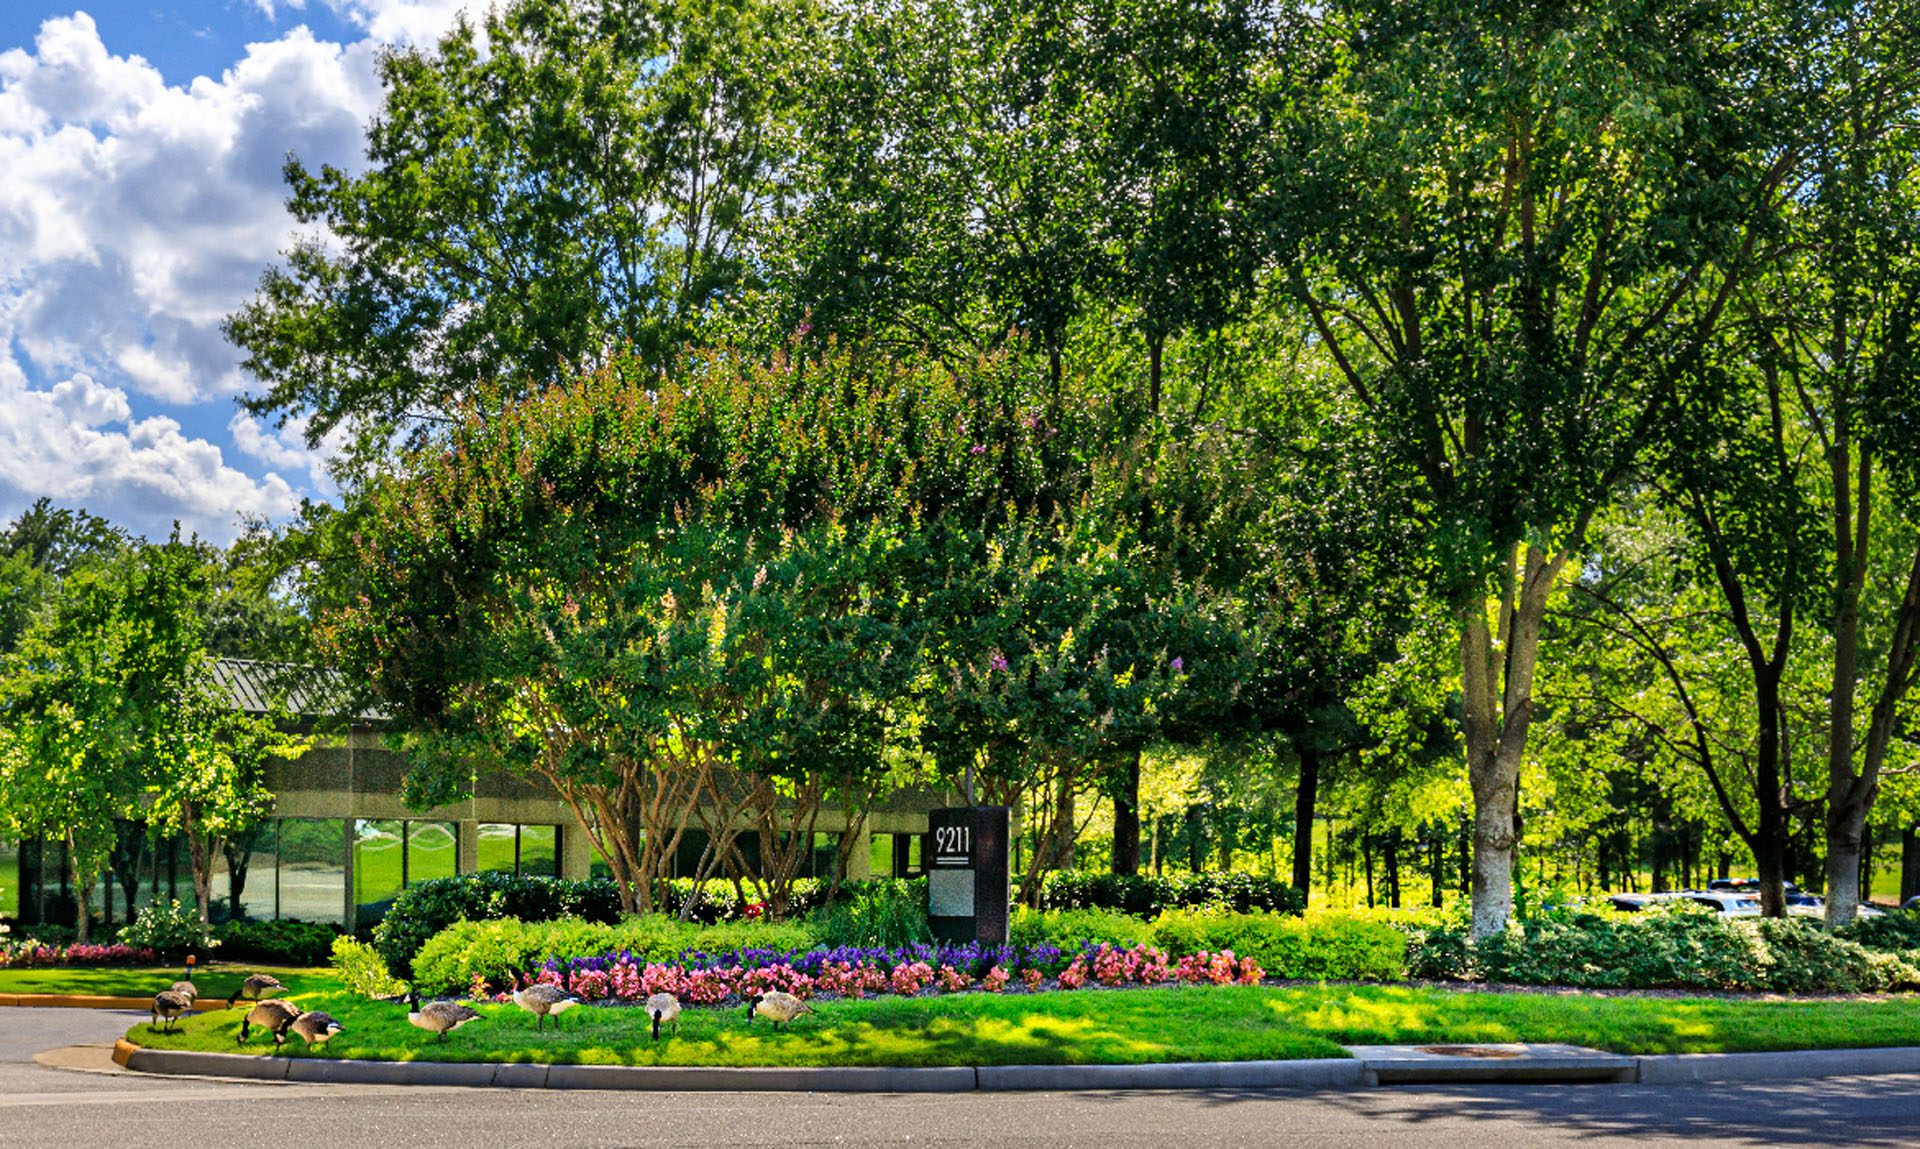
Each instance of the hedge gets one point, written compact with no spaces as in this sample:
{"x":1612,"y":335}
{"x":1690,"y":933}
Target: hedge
{"x":286,"y":941}
{"x":1670,"y":948}
{"x":425,"y":908}
{"x":1148,"y":896}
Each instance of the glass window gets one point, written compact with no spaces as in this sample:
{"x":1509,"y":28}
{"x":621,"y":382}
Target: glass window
{"x":253,"y":872}
{"x":497,"y":849}
{"x":825,"y":862}
{"x":9,"y":878}
{"x":433,"y":850}
{"x":540,"y":851}
{"x":313,"y":868}
{"x":379,"y":868}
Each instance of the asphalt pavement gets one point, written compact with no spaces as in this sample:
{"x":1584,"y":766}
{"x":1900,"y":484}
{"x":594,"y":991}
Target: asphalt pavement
{"x":85,"y":1103}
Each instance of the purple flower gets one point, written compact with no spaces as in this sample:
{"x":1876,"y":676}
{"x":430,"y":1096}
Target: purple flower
{"x":998,"y":662}
{"x":801,"y":331}
{"x":1179,"y":664}
{"x":979,"y":448}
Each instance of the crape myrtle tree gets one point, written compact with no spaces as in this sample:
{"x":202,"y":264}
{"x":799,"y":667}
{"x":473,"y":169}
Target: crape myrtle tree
{"x":694,"y":596}
{"x":1514,"y":228}
{"x":543,"y":189}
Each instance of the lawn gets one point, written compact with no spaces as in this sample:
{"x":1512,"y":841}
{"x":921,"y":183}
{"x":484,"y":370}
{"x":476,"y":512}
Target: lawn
{"x":217,"y":979}
{"x":1226,"y":1023}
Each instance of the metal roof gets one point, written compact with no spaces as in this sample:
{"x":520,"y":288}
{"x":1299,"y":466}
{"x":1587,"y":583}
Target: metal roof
{"x":253,"y":686}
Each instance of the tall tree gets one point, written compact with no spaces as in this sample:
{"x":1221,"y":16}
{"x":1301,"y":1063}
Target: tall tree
{"x":1514,"y":228}
{"x":564,"y":180}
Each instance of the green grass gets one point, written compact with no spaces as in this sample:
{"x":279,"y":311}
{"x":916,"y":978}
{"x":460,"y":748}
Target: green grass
{"x":1228,"y":1023}
{"x":214,"y":980}
{"x":975,"y":1029}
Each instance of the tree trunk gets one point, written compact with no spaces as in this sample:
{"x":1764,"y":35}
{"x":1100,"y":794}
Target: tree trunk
{"x":1196,"y":840}
{"x":1496,"y":711}
{"x":1850,"y":797}
{"x":1126,"y":819}
{"x":1393,"y":868}
{"x":1304,"y":800}
{"x":1366,"y":853}
{"x":200,"y":861}
{"x":1909,"y":863}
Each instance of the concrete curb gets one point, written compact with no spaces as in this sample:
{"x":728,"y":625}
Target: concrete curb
{"x":1335,"y":1073}
{"x":1327,"y":1073}
{"x":1687,"y":1068}
{"x":97,"y":1001}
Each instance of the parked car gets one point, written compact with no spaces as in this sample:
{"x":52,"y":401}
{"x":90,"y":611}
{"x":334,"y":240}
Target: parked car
{"x":1731,"y":904}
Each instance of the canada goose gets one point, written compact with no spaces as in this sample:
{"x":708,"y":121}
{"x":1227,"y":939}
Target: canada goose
{"x":664,"y":1007}
{"x":274,"y":1015}
{"x":541,"y":999}
{"x":185,"y":984}
{"x":257,"y":987}
{"x":315,"y":1027}
{"x":776,"y":1006}
{"x":170,"y":1004}
{"x":441,"y":1017}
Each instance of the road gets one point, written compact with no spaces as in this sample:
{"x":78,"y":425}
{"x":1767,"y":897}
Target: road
{"x":45,"y":1105}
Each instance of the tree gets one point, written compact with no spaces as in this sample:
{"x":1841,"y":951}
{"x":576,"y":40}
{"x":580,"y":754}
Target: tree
{"x":567,"y":180}
{"x":1513,"y":230}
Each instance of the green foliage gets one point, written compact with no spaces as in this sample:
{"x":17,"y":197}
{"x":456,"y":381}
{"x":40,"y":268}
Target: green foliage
{"x":425,"y":908}
{"x":1663,"y":949}
{"x":1147,"y":896}
{"x":885,"y":912}
{"x":362,"y":970}
{"x":1328,"y":945}
{"x":165,"y":929}
{"x":502,"y":948}
{"x":285,"y":941}
{"x":613,"y":161}
{"x":1070,"y":930}
{"x":1887,"y":933}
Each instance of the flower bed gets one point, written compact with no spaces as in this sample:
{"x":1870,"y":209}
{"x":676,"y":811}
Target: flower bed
{"x":27,"y":952}
{"x":909,"y":971}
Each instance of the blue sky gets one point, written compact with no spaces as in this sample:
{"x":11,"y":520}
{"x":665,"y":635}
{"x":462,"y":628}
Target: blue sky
{"x":140,"y":199}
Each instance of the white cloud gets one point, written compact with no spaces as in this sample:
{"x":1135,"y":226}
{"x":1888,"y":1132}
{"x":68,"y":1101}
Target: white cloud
{"x":61,"y":442}
{"x":420,"y":23}
{"x":134,"y":216}
{"x":88,"y":403}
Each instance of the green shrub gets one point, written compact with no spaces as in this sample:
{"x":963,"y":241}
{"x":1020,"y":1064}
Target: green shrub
{"x":885,"y":912}
{"x":362,"y":970}
{"x":499,"y":948}
{"x":166,"y":929}
{"x":1342,"y":946}
{"x":1896,"y":933}
{"x":1148,"y":896}
{"x":1069,"y":930}
{"x":425,"y":908}
{"x":287,"y":941}
{"x":1678,"y":947}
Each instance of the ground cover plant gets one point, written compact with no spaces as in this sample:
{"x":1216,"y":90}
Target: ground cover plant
{"x":214,"y":980}
{"x":1676,"y":948}
{"x":1094,"y":1027}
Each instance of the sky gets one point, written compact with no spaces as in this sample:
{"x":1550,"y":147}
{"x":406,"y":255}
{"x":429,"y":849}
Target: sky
{"x":141,"y":146}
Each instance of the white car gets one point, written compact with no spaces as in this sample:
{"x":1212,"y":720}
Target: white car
{"x":1732,"y":905}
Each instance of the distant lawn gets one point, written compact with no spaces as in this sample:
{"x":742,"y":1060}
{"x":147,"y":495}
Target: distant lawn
{"x":1227,"y":1023}
{"x":216,"y":980}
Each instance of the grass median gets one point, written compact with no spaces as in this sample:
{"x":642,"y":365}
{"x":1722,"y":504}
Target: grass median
{"x":212,"y":980}
{"x":1092,"y":1027}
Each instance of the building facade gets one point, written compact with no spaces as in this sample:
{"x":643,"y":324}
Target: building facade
{"x":341,"y":843}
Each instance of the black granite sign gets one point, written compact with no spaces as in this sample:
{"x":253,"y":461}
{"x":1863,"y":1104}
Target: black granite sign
{"x":966,"y":860}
